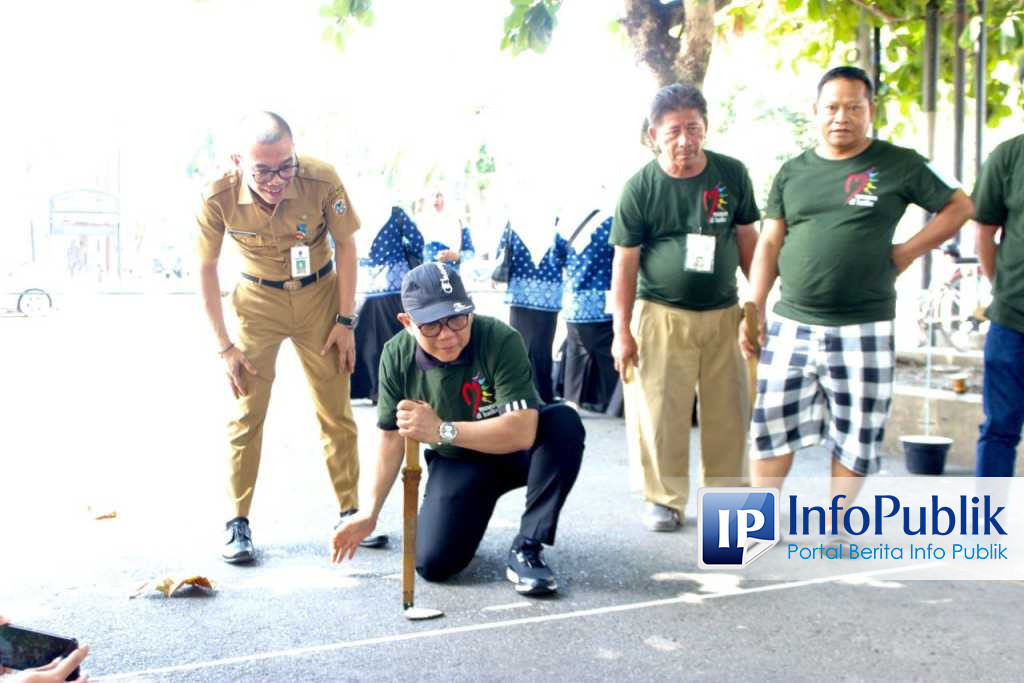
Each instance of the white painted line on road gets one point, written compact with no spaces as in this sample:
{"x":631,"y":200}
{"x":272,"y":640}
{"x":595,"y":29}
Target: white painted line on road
{"x":688,"y":598}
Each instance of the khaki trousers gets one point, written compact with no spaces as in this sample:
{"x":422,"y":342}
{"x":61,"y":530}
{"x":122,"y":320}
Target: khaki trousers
{"x":679,"y":350}
{"x":266,"y":317}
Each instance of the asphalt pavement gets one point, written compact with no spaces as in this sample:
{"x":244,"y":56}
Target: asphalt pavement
{"x":115,"y":405}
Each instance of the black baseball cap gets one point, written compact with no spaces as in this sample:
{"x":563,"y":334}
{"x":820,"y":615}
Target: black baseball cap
{"x":433,"y":291}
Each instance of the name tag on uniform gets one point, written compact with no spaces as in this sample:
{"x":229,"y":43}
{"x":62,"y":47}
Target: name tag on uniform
{"x":300,"y":261}
{"x":700,"y":253}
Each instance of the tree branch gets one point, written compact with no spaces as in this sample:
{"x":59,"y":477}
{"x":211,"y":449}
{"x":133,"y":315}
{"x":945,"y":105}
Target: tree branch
{"x":870,"y":7}
{"x":672,"y":13}
{"x":646,"y":24}
{"x":691,"y":63}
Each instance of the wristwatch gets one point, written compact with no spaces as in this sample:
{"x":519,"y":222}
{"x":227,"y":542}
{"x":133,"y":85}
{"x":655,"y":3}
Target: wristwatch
{"x":348,"y":321}
{"x":448,"y":432}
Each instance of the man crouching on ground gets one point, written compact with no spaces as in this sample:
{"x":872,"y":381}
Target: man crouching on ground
{"x":461,"y":383}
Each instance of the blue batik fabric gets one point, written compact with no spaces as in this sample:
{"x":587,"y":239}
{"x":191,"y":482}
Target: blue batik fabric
{"x":381,"y":272}
{"x":433,"y":248}
{"x":589,"y":277}
{"x":537,"y":286}
{"x":467,"y":250}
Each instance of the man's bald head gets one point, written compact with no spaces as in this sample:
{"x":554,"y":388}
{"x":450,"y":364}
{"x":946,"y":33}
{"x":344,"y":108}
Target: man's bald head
{"x":262,"y":128}
{"x":266,"y":155}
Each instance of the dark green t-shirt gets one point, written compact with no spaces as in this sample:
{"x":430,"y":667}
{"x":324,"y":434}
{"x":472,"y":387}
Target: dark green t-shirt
{"x":657,"y":211}
{"x":836,"y":260}
{"x":491,"y":377}
{"x":999,"y":200}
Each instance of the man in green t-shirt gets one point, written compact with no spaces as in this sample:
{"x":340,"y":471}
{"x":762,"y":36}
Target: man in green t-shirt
{"x":826,"y":371}
{"x":682,"y":227}
{"x":999,"y":196}
{"x":462,"y":383}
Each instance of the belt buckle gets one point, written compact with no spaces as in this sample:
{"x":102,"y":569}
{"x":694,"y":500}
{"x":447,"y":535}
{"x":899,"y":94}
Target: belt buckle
{"x":292,"y":285}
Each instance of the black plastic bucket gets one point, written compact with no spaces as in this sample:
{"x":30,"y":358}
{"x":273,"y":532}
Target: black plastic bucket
{"x":925,"y":454}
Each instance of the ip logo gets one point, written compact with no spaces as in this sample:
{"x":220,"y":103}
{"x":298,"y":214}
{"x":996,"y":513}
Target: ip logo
{"x":735,"y":526}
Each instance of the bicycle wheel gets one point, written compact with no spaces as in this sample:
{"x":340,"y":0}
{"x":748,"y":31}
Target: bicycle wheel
{"x":955,"y":322}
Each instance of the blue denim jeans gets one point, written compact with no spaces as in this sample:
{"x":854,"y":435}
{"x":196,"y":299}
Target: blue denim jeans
{"x":1003,"y":402}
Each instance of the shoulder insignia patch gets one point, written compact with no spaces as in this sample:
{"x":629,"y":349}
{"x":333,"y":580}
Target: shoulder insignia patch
{"x":225,"y":182}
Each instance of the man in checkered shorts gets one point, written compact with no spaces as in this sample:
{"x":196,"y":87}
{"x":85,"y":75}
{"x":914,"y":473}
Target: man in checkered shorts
{"x":826,"y":370}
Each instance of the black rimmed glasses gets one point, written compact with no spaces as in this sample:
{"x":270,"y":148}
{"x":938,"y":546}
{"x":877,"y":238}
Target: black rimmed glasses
{"x":455,"y":323}
{"x":286,"y":171}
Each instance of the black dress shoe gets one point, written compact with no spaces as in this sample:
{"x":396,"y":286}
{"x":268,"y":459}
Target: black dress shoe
{"x":371,"y":541}
{"x":527,"y":569}
{"x":238,"y":548}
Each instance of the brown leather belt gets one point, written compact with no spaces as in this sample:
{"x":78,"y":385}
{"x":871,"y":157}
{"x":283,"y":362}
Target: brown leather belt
{"x":292,"y":285}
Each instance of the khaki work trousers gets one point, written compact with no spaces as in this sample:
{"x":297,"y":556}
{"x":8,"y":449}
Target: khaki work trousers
{"x":677,"y":350}
{"x":266,"y":317}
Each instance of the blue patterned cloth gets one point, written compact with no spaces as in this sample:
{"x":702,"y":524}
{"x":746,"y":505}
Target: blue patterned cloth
{"x":534,"y":286}
{"x":589,"y":273}
{"x":382,"y":271}
{"x":433,"y":248}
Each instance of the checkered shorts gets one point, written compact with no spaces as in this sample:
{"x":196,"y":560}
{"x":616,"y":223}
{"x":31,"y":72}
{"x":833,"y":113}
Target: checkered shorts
{"x":830,"y":385}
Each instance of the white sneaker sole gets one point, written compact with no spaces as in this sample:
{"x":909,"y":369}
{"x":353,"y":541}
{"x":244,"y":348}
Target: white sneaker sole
{"x":512,"y":576}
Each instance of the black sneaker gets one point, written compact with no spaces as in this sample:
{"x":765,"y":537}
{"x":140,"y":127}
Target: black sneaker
{"x":371,"y":541}
{"x":526,"y":569}
{"x":238,"y":548}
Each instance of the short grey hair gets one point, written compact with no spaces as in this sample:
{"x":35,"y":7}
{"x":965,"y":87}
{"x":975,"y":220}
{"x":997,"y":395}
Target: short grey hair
{"x":677,"y":97}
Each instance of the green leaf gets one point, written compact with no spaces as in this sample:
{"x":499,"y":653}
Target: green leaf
{"x":366,"y":17}
{"x":793,"y":5}
{"x":515,"y":19}
{"x":966,"y":40}
{"x":1004,"y":43}
{"x":614,"y":27}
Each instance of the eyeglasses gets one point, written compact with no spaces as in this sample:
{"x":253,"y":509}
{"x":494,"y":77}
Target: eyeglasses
{"x":262,"y":174}
{"x":455,"y":323}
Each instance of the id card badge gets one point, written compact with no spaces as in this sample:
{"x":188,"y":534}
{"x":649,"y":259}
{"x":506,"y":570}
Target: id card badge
{"x":300,"y":261}
{"x":700,"y":253}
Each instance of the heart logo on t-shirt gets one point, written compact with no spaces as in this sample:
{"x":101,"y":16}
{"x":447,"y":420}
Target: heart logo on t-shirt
{"x":472,"y":395}
{"x":711,"y":199}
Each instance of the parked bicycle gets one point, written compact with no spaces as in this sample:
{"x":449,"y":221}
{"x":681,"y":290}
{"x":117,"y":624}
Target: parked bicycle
{"x":953,"y":311}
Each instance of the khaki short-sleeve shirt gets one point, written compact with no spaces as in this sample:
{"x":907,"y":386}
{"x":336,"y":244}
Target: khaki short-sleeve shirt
{"x":315,"y":204}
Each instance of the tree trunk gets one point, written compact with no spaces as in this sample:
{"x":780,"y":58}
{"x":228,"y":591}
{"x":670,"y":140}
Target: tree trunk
{"x":647,"y":25}
{"x":692,"y":63}
{"x":655,"y":30}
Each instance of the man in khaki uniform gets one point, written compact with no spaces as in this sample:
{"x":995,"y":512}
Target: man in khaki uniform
{"x":279,"y":209}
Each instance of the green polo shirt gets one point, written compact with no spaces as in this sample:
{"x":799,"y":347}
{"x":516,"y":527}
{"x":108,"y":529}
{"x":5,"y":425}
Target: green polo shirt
{"x":836,"y":260}
{"x":491,"y":377}
{"x":999,"y":200}
{"x":657,"y":212}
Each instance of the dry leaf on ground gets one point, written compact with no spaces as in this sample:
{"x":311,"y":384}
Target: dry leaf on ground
{"x":169,"y":586}
{"x":102,"y":513}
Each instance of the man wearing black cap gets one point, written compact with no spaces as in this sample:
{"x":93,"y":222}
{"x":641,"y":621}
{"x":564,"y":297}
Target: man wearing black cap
{"x":462,"y":383}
